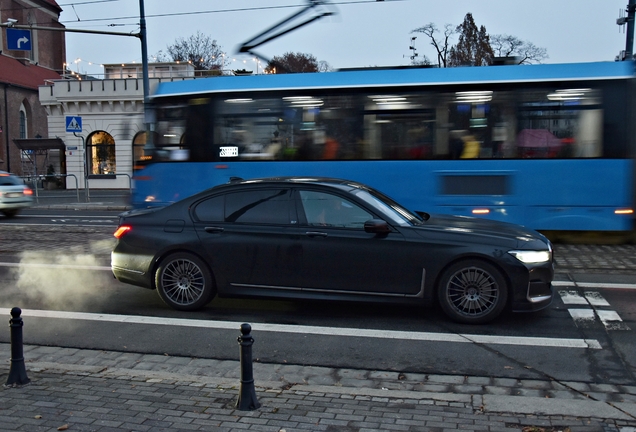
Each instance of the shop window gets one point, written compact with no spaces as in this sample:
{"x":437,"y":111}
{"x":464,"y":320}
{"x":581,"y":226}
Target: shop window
{"x":100,"y":150}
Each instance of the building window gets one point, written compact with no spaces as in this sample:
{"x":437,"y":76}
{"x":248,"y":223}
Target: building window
{"x":100,"y":151}
{"x":23,"y":122}
{"x":139,"y":141}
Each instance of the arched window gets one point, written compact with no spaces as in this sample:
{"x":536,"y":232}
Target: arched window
{"x":139,"y":141}
{"x":100,"y":152}
{"x":23,"y":122}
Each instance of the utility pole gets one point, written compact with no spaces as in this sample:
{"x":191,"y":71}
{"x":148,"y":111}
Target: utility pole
{"x":628,"y":54}
{"x":148,"y":114}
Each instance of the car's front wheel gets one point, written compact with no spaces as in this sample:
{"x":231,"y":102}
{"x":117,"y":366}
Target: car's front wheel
{"x":184,"y":282}
{"x":472,"y":292}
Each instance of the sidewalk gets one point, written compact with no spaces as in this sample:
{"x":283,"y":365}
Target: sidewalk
{"x":87,"y":390}
{"x":71,"y":199}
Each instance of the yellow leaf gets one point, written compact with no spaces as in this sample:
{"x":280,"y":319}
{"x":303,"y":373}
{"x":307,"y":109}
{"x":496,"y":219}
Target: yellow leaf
{"x":64,"y":427}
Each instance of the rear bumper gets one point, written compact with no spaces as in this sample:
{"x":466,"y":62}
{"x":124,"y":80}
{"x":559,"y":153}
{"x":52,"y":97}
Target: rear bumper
{"x":15,"y":205}
{"x":131,"y":269}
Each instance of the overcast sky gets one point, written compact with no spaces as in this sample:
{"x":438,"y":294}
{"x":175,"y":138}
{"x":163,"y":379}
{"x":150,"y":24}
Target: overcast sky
{"x":361,"y":33}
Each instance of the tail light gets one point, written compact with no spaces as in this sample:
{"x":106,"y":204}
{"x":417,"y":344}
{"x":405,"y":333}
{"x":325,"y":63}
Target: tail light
{"x":28,"y":191}
{"x":123,"y":229}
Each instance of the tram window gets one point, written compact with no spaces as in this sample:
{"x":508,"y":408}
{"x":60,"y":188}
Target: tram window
{"x":475,"y":184}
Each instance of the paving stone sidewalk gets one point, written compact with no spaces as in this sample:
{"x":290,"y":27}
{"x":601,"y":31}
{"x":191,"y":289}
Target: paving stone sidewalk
{"x":89,"y":390}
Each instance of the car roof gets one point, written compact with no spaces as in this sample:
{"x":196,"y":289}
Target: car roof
{"x":335,"y":183}
{"x":327,"y":181}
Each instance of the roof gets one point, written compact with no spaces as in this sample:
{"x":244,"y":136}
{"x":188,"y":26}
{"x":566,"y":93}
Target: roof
{"x":39,"y":143}
{"x":31,"y":76}
{"x":386,"y":78}
{"x":53,"y":3}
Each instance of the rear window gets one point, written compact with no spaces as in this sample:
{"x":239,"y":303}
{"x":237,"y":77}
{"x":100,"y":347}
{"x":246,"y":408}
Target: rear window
{"x":270,"y":206}
{"x":7,"y":180}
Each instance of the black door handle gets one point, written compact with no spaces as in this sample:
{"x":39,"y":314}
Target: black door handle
{"x":214,"y":229}
{"x":316,"y":234}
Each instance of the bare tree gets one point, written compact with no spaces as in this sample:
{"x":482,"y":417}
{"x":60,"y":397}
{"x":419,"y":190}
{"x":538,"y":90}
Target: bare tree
{"x":323,"y":66}
{"x":199,"y":49}
{"x":525,"y":52}
{"x":292,"y":63}
{"x":441,"y":45}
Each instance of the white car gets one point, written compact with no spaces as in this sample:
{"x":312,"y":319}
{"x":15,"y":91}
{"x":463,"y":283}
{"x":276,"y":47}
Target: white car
{"x":14,"y":194}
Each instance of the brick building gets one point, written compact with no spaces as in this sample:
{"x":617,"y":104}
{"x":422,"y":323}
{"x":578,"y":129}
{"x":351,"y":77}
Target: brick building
{"x":22,"y":117}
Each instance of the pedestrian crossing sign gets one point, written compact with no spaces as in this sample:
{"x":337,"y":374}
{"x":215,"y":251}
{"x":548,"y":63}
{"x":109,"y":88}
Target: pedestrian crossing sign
{"x":73,"y":124}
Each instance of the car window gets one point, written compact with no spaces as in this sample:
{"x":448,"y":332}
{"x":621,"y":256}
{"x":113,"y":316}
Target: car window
{"x":257,"y":206}
{"x":395,"y":212}
{"x":324,"y":209}
{"x":7,"y":180}
{"x":270,"y":206}
{"x":211,"y":210}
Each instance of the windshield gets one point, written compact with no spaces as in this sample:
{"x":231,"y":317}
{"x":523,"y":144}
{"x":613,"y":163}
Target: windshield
{"x":398,"y":214}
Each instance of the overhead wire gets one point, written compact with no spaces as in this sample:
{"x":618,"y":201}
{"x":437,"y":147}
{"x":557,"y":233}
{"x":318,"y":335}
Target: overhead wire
{"x":247,"y":9}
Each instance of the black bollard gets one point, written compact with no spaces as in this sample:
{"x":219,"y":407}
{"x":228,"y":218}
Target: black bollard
{"x":247,"y":393}
{"x":17,"y":373}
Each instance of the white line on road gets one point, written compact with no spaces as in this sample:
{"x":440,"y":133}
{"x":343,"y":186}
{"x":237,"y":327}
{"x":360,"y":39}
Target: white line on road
{"x":326,"y":331}
{"x":58,"y":266}
{"x":606,"y":285}
{"x":595,"y":285}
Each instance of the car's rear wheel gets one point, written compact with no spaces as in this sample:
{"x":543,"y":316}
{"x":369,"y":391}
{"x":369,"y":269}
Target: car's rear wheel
{"x":184,"y":282}
{"x":9,"y":213}
{"x":472,"y":292}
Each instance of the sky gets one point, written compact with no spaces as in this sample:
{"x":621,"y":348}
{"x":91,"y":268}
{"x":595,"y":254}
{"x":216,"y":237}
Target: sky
{"x":361,"y":33}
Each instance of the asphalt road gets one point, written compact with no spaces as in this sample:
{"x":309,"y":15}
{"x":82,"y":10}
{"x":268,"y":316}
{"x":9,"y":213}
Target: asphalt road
{"x":54,"y":265}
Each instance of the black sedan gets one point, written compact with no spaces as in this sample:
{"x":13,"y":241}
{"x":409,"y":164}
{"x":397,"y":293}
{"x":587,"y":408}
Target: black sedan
{"x":329,"y":239}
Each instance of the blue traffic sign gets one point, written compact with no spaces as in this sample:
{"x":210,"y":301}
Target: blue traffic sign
{"x":18,"y":39}
{"x":73,"y":124}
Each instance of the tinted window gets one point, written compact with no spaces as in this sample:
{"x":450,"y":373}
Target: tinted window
{"x":475,"y":184}
{"x":210,"y":210}
{"x":258,"y":206}
{"x":323,"y":209}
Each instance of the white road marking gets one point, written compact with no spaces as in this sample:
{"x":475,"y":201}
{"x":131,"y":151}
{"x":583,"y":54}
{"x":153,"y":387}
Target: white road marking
{"x":563,"y":283}
{"x":595,"y":299}
{"x":328,"y":331}
{"x":572,"y":297}
{"x":611,"y":320}
{"x":73,"y":217}
{"x":587,"y":317}
{"x":582,"y":314}
{"x":58,"y":266}
{"x":606,"y":285}
{"x":595,"y":285}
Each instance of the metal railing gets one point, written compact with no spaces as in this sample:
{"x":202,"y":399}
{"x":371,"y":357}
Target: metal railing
{"x":34,"y":180}
{"x":87,"y":186}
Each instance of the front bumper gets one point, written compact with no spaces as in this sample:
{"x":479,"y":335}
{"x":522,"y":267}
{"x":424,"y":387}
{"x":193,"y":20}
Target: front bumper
{"x":539,"y":293}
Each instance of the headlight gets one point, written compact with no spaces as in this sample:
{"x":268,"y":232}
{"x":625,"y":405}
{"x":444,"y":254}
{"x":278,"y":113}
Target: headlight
{"x":531,"y":257}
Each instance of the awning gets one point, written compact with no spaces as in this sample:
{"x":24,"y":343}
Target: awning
{"x":40,"y":144}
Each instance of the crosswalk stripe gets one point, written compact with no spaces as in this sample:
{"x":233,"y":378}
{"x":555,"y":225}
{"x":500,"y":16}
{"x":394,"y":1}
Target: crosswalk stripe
{"x":586,"y":317}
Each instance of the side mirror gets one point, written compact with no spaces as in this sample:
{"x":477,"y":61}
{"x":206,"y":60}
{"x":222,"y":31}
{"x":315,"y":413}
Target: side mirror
{"x":377,"y":226}
{"x":423,"y":215}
